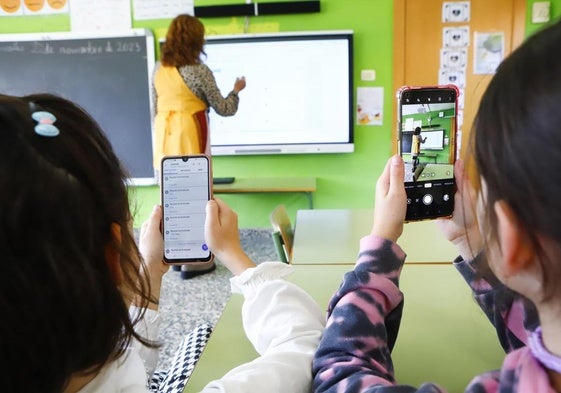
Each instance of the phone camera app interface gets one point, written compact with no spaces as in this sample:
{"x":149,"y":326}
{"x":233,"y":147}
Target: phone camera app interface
{"x":427,"y":145}
{"x":184,"y":198}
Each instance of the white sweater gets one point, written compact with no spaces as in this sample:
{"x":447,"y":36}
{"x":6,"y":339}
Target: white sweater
{"x":282,"y":321}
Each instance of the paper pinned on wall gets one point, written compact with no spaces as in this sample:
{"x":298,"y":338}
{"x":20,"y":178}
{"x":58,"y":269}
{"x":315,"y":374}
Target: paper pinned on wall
{"x":455,"y":37}
{"x":45,"y":8}
{"x":162,"y":9}
{"x":8,"y":9}
{"x":454,"y":76}
{"x":455,"y":11}
{"x":453,"y":57}
{"x":370,"y":106}
{"x":99,"y":15}
{"x":18,"y":8}
{"x":488,"y":52}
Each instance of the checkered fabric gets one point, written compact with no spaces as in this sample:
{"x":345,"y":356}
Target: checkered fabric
{"x":184,"y":361}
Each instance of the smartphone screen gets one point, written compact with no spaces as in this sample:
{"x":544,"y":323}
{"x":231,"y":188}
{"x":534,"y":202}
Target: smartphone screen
{"x":185,"y":191}
{"x":427,"y":124}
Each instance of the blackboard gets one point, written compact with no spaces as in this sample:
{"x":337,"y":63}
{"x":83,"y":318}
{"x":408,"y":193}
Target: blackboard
{"x":107,"y":74}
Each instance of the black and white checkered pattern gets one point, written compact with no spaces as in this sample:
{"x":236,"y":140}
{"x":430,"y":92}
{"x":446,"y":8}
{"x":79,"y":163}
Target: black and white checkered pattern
{"x":184,"y":361}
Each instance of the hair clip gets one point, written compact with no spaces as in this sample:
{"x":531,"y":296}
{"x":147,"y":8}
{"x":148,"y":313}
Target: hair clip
{"x":45,"y":122}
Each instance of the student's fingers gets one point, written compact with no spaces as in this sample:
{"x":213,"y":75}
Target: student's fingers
{"x":224,"y":240}
{"x":212,"y":217}
{"x":397,"y":175}
{"x":152,"y":224}
{"x":383,"y":183}
{"x":391,"y":201}
{"x":221,"y":226}
{"x":459,"y":171}
{"x":228,"y":217}
{"x":151,"y":243}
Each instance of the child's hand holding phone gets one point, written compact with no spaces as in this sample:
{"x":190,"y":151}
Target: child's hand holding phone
{"x":389,"y":211}
{"x":221,"y":232}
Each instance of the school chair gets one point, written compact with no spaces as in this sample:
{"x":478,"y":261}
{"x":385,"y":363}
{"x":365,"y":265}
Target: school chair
{"x":283,"y":234}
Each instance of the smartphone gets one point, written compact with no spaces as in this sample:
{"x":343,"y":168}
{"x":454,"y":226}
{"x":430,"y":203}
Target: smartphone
{"x":427,"y":128}
{"x":185,"y":187}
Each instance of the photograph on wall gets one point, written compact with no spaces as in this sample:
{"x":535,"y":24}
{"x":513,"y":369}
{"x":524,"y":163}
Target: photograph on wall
{"x":489,"y":50}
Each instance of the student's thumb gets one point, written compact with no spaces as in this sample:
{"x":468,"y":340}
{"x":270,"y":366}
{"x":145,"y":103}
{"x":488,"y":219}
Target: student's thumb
{"x":397,"y":174}
{"x":211,"y":213}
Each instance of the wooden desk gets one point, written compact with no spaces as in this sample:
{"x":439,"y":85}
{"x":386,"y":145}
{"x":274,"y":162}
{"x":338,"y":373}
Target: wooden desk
{"x":444,"y":336}
{"x":327,"y":236}
{"x":306,"y":185}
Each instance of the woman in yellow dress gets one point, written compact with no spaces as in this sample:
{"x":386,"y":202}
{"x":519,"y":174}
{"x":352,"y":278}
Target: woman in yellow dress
{"x":182,"y":86}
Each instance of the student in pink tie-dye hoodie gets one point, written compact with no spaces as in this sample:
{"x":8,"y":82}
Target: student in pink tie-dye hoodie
{"x":507,"y":230}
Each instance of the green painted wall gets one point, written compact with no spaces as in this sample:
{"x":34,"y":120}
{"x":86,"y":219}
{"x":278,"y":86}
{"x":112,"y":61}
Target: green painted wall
{"x":344,"y":180}
{"x":555,"y":12}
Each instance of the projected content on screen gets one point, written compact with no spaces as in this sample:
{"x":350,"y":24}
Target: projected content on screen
{"x":297,"y":99}
{"x":433,"y":140}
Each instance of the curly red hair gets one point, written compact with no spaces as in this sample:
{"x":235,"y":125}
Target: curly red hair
{"x":184,"y":42}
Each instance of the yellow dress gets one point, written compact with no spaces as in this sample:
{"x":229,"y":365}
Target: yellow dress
{"x":176,"y":130}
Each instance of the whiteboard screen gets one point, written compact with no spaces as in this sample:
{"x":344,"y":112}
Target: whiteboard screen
{"x":434,"y":141}
{"x":298,"y":97}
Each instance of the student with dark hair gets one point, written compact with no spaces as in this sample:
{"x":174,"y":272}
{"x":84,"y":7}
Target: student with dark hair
{"x":507,"y":233}
{"x":79,"y":299}
{"x":183,"y":86}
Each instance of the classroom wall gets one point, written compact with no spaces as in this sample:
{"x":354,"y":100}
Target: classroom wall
{"x":344,"y":180}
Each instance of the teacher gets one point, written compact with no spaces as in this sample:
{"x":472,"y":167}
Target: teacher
{"x":182,"y":86}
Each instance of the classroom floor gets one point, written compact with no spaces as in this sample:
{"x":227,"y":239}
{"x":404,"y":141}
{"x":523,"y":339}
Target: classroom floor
{"x":184,"y":304}
{"x":428,"y":171}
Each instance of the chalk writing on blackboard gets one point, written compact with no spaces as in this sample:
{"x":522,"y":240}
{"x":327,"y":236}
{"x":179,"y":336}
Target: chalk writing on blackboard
{"x":109,"y":75}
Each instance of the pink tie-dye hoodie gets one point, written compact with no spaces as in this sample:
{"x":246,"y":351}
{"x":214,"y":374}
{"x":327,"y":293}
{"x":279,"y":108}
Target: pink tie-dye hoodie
{"x":354,"y":354}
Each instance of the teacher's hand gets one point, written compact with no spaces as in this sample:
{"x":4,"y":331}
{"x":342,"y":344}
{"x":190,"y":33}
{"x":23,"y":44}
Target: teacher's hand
{"x":239,"y":85}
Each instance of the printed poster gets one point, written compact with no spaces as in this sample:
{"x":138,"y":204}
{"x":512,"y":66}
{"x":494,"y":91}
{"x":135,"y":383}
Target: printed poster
{"x":100,"y":15}
{"x":489,"y":51}
{"x":370,"y":106}
{"x":20,"y":7}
